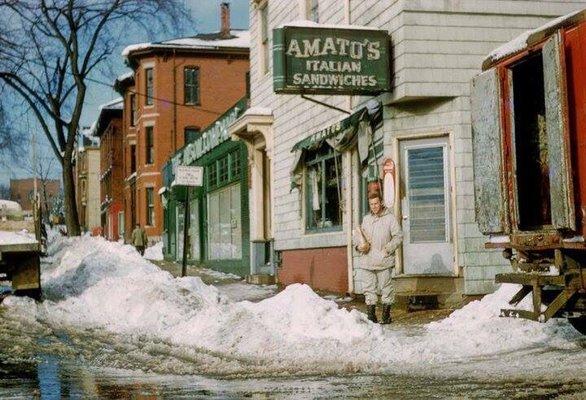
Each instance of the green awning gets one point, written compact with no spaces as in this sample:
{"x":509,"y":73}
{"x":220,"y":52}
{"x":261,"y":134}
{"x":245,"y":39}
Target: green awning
{"x":354,"y":130}
{"x":315,"y":140}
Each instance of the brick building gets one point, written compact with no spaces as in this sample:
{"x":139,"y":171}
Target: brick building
{"x":108,"y":128}
{"x":176,"y":89}
{"x":437,"y":47}
{"x":21,"y":191}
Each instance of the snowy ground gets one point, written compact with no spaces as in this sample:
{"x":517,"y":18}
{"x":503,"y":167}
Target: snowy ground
{"x":110,"y":307}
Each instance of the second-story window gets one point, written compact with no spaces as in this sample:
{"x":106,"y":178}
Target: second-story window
{"x":132,"y":109}
{"x":150,"y":151}
{"x":191,"y":134}
{"x":148,"y":79}
{"x":264,"y":37}
{"x":132,"y":158}
{"x":191,"y":85}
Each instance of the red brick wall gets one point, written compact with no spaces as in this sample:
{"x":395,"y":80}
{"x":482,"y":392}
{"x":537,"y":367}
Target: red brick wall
{"x":21,"y":191}
{"x":322,"y":269}
{"x":222,"y":83}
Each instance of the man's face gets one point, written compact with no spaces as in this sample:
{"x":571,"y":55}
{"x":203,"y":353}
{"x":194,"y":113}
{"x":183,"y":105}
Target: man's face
{"x":375,"y":205}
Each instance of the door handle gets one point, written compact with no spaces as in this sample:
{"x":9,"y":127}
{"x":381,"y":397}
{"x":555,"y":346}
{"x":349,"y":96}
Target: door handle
{"x":405,"y":217}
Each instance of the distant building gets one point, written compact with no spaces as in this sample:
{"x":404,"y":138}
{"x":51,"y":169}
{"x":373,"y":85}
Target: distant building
{"x":87,"y":182}
{"x":176,"y":89}
{"x":108,"y":129}
{"x":22,"y":191}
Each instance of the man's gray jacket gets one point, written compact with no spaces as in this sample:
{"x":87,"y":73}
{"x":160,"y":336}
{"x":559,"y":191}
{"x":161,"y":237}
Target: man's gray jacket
{"x":384,"y":234}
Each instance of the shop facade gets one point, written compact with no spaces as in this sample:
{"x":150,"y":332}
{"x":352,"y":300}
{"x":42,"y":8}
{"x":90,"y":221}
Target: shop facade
{"x":424,"y":138}
{"x":218,"y":227}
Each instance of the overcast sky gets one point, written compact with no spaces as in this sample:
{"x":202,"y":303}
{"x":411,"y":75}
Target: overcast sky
{"x":206,"y":17}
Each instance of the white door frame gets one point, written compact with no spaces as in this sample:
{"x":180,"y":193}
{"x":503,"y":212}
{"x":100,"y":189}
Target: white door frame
{"x":395,"y":148}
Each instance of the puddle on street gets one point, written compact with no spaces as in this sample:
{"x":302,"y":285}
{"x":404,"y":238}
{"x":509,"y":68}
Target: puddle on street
{"x":53,"y":378}
{"x":59,"y":366}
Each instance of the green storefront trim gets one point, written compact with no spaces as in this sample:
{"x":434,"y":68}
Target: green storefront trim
{"x":234,"y":156}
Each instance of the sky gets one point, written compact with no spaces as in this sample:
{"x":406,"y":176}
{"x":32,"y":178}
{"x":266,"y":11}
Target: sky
{"x":205,"y":14}
{"x":206,"y":17}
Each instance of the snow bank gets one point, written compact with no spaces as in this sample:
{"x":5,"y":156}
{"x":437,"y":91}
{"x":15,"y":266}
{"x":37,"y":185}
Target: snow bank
{"x":154,"y":252}
{"x":17,"y":237}
{"x":93,"y":285}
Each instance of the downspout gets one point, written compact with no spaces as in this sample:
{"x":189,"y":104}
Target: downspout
{"x":349,"y":187}
{"x":174,"y":102}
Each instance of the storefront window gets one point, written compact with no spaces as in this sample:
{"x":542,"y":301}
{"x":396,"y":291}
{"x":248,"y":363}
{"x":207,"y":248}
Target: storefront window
{"x":225,"y":224}
{"x":323,"y":176}
{"x":224,"y":170}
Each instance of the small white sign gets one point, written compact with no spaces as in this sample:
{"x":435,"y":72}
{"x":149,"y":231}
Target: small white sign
{"x":188,"y":176}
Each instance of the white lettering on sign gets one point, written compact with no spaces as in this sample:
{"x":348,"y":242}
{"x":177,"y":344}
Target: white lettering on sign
{"x":210,"y":138}
{"x":188,"y":176}
{"x":334,"y":46}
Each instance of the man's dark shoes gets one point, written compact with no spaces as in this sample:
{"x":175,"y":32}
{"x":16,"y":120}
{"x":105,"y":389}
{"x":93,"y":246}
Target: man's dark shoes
{"x":386,"y":318}
{"x":371,"y":313}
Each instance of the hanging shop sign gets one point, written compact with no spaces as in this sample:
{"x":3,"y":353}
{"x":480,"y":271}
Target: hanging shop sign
{"x":331,"y":60}
{"x":188,"y":176}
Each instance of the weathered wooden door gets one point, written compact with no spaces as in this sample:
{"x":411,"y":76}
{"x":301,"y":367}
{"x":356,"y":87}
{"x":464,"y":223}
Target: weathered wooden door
{"x":557,"y":126}
{"x":490,"y":204}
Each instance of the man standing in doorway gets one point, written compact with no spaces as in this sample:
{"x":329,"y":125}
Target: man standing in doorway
{"x":139,"y":239}
{"x":382,"y":236}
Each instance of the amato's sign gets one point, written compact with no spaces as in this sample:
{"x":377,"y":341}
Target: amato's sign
{"x":320,"y":60}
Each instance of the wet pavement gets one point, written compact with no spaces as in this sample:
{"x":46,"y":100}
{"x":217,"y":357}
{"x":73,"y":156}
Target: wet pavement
{"x":53,"y":362}
{"x":54,"y":378}
{"x":40,"y":362}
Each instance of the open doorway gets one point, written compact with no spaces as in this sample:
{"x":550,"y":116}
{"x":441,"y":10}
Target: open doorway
{"x":531,"y":144}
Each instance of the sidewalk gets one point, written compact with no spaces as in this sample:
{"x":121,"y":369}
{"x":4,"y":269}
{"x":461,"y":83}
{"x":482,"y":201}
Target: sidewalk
{"x":237,"y":289}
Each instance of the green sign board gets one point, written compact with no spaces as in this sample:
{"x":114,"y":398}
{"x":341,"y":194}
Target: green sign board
{"x":325,"y":60}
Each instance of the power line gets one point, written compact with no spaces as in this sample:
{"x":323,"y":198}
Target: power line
{"x":134,"y":92}
{"x":152,"y":97}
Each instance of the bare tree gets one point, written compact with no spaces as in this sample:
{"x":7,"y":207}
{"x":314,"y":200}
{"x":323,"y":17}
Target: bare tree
{"x":4,"y":191}
{"x":44,"y":171}
{"x":11,"y":141}
{"x":48,"y":51}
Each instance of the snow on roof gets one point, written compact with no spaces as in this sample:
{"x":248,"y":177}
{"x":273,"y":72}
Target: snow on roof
{"x":116,"y":104}
{"x":127,"y":75}
{"x":519,"y":43}
{"x":311,"y":24}
{"x":239,"y":39}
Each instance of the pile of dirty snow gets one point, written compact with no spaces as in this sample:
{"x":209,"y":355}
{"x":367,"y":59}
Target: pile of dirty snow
{"x":155,"y":252}
{"x":92,"y":285}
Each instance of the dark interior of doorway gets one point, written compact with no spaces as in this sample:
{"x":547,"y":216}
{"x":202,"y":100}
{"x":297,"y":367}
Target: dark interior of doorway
{"x":531,"y":147}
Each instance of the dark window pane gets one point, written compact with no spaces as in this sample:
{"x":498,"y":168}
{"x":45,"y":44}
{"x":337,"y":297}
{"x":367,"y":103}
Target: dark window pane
{"x":150,"y":206}
{"x":191,"y":134}
{"x":148,"y":73}
{"x":150,"y":153}
{"x":191,"y":85}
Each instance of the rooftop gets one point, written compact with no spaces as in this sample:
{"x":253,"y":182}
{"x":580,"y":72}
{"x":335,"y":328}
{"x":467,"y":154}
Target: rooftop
{"x":238,"y":39}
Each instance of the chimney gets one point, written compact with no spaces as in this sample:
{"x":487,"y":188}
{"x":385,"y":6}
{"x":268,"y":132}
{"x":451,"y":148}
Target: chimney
{"x":225,"y":20}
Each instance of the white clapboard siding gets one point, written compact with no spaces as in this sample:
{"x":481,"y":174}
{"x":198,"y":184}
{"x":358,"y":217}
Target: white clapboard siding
{"x":438,"y":46}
